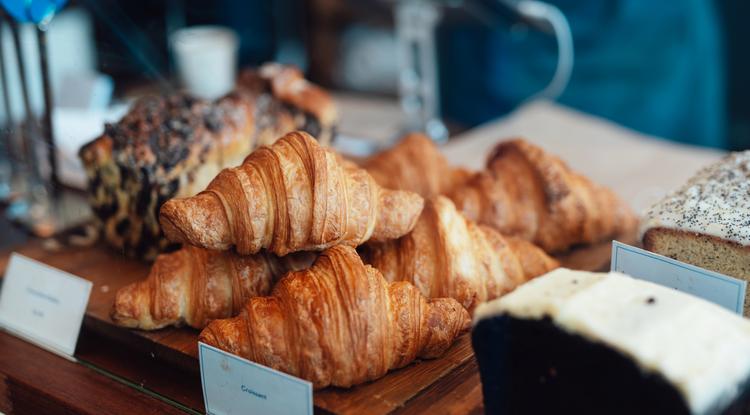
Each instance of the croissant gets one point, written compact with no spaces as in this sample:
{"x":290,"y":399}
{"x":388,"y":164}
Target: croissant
{"x":417,"y":165}
{"x":447,"y":255}
{"x":291,"y":196}
{"x":339,"y":323}
{"x":194,"y":286}
{"x":533,"y":195}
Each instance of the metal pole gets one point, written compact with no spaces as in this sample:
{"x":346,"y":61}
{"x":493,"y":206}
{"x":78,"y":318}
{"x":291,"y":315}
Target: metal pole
{"x":28,"y":126}
{"x":10,"y":142}
{"x":48,"y":107}
{"x":6,"y":103}
{"x":416,"y":21}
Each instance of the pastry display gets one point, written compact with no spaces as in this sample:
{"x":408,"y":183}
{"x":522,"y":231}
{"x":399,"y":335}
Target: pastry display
{"x":587,"y":343}
{"x":339,"y":323}
{"x":291,"y":196}
{"x":417,"y":165}
{"x":173,"y":146}
{"x":447,"y":255}
{"x":193,"y":286}
{"x":259,"y":244}
{"x":298,"y":259}
{"x":527,"y":193}
{"x":706,"y":222}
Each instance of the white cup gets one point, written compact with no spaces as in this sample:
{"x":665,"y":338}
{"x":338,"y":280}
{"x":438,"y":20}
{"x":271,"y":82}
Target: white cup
{"x":206,"y":59}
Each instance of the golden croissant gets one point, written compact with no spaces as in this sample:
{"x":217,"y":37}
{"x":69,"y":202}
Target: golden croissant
{"x":291,"y":196}
{"x":194,"y":286}
{"x":528,"y":193}
{"x":339,"y":323}
{"x":447,"y":255}
{"x":417,"y":165}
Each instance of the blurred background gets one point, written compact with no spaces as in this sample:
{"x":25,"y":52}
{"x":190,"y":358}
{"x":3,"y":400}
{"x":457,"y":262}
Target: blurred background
{"x":673,"y":70}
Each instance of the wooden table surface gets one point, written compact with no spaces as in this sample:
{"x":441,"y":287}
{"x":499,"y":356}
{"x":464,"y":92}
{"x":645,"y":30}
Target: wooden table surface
{"x":35,"y":381}
{"x":164,"y":362}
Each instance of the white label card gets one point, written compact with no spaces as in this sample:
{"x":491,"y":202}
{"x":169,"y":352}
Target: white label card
{"x":233,"y":385}
{"x":43,"y":304}
{"x":725,"y":291}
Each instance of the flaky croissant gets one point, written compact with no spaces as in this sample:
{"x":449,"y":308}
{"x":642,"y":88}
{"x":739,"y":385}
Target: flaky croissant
{"x":339,"y":323}
{"x":417,"y":165}
{"x":291,"y":196}
{"x":447,"y":255}
{"x":528,"y":193}
{"x":194,"y":286}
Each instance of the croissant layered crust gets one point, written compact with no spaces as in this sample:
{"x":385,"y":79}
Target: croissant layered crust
{"x":193,"y":286}
{"x":417,"y":165}
{"x":339,"y":323}
{"x":447,"y":255}
{"x":527,"y":193}
{"x":172,"y":146}
{"x":293,"y":195}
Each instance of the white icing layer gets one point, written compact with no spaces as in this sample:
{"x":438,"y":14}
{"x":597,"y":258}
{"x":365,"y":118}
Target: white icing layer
{"x":701,"y":348}
{"x":716,"y":202}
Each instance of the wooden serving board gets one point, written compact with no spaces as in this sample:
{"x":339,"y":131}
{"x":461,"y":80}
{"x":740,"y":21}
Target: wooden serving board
{"x":177,"y":347}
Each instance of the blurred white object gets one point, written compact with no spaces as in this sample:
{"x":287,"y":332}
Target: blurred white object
{"x":545,"y":13}
{"x":86,"y":91}
{"x":355,"y":146}
{"x":72,"y":53}
{"x":368,"y":60}
{"x":73,"y":128}
{"x":206,"y":59}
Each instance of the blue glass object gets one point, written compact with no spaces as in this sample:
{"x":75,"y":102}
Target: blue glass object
{"x":33,"y":11}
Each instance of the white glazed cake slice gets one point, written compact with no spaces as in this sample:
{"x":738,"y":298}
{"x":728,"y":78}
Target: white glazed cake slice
{"x":580,"y":342}
{"x":707,"y":221}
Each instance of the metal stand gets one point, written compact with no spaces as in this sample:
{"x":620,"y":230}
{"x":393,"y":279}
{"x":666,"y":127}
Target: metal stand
{"x":40,"y":205}
{"x":20,"y":207}
{"x":48,"y":106}
{"x":7,"y":137}
{"x":418,"y":78}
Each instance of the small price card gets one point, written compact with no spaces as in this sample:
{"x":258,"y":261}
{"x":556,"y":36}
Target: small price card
{"x":725,"y":291}
{"x":233,"y":385}
{"x":43,"y":305}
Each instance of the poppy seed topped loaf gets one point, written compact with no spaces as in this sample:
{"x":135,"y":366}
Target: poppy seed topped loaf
{"x":706,"y":222}
{"x":173,"y":146}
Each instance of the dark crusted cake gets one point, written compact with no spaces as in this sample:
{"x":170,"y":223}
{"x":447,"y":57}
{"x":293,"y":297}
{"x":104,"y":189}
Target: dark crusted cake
{"x":575,"y":342}
{"x":174,"y":146}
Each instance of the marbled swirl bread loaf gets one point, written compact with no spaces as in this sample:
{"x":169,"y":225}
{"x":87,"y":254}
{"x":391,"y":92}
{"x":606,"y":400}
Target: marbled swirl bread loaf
{"x":174,"y":146}
{"x":282,"y":91}
{"x":707,"y":221}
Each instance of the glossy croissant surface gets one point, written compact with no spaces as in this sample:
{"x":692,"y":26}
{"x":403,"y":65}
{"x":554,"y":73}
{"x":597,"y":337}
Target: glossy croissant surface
{"x":339,"y":323}
{"x":528,"y":193}
{"x":447,"y":255}
{"x":417,"y":165}
{"x":291,"y":196}
{"x":193,"y":286}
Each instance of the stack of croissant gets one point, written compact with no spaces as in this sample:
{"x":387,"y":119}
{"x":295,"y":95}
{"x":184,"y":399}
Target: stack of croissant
{"x":272,"y":261}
